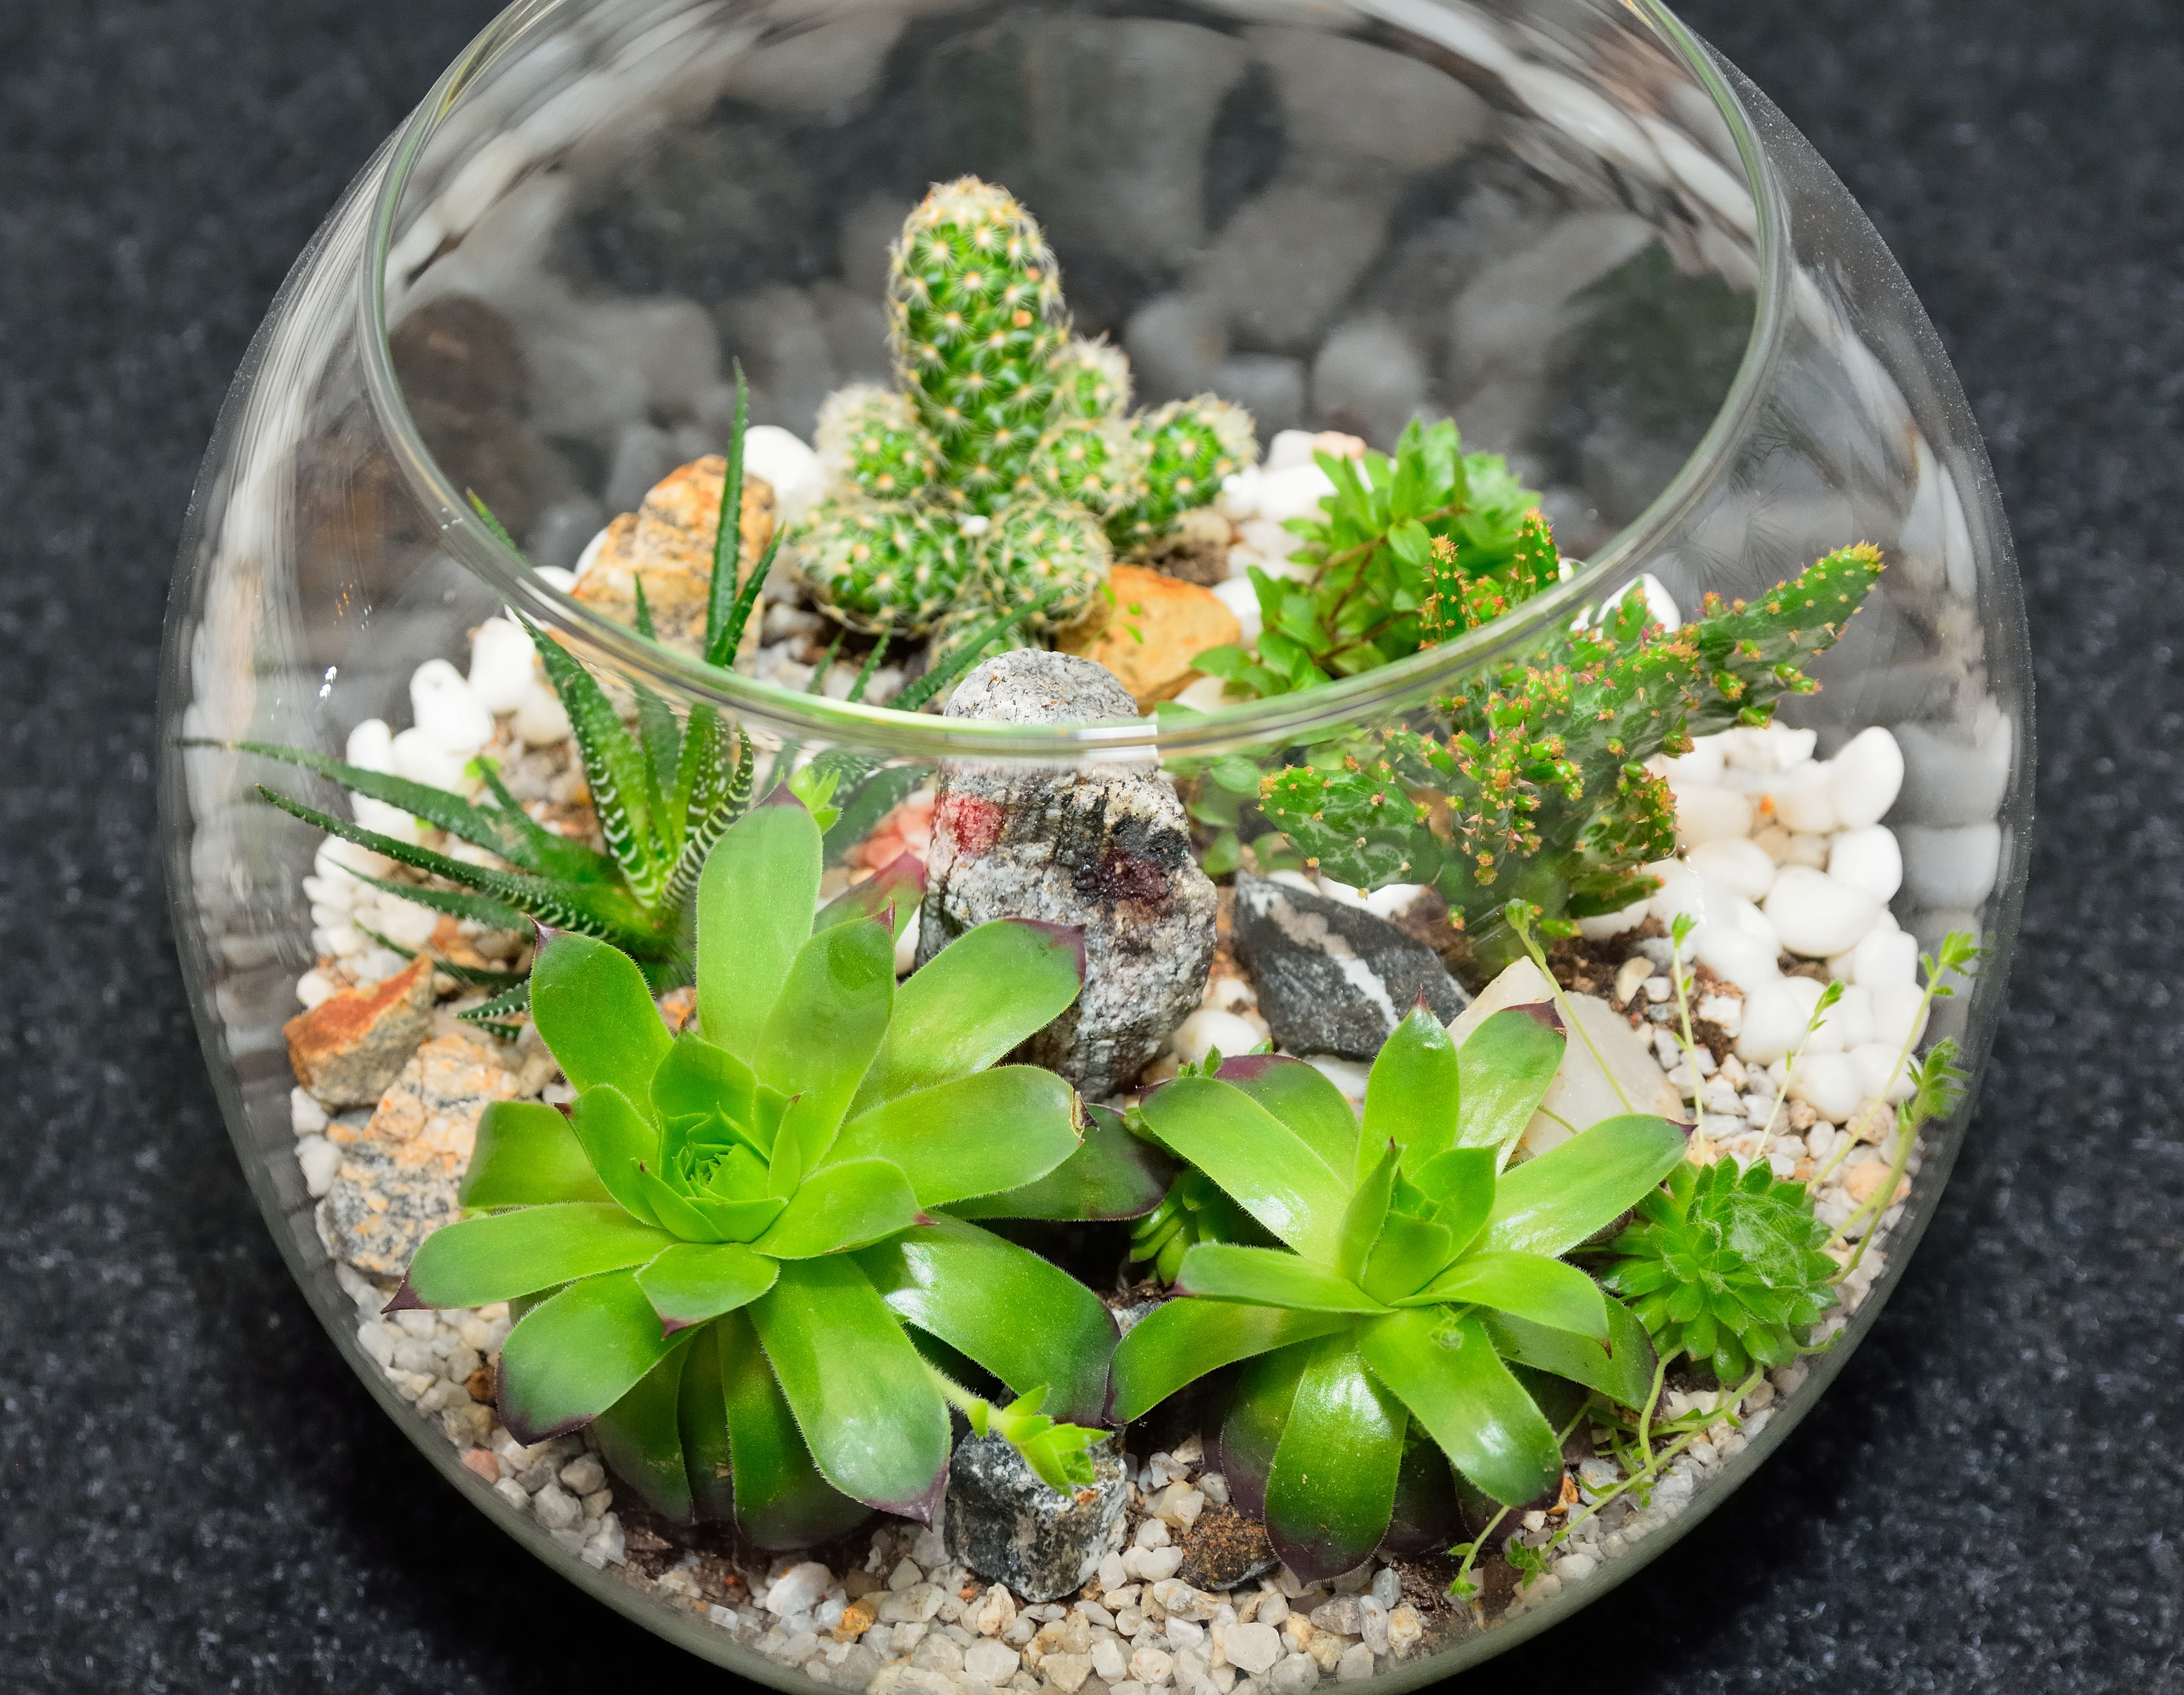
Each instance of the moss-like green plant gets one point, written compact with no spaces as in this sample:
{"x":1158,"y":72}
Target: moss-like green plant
{"x":1539,"y":791}
{"x":1007,"y":470}
{"x":720,"y":1248}
{"x":1413,"y":1268}
{"x":1726,"y":1267}
{"x":1372,"y":561}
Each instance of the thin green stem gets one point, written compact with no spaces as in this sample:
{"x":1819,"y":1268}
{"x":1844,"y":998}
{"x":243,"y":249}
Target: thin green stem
{"x":1523,"y":926}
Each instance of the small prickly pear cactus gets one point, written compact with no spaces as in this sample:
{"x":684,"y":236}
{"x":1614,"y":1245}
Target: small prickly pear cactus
{"x":869,"y":439}
{"x":975,"y":308}
{"x":1190,"y":445}
{"x":884,"y":565}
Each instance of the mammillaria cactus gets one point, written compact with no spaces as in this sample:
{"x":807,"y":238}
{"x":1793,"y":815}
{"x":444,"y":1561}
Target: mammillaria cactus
{"x":974,"y":306}
{"x":1189,"y":445}
{"x":1007,"y":470}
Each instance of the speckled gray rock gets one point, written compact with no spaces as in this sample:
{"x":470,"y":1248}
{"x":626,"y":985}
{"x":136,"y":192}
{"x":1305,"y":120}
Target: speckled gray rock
{"x":1332,"y":978}
{"x":1006,"y":1525}
{"x":1104,"y":847}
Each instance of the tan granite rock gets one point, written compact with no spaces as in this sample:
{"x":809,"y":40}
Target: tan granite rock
{"x":351,"y":1046}
{"x":1156,"y":625}
{"x":668,"y":543}
{"x":399,"y":1172}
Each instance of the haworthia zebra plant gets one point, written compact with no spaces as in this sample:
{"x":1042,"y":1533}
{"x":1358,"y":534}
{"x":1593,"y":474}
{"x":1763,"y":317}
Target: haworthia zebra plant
{"x":720,"y":1257}
{"x":1412,"y":1272}
{"x":663,"y":795}
{"x":1007,"y":469}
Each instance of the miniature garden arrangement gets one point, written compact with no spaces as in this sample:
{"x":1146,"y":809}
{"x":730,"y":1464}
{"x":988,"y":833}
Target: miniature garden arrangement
{"x":966,"y":1224}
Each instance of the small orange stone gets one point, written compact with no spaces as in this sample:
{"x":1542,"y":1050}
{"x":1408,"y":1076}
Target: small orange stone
{"x":478,"y":1460}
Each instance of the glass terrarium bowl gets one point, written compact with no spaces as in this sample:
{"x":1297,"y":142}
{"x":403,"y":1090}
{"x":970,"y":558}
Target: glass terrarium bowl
{"x":1563,"y":222}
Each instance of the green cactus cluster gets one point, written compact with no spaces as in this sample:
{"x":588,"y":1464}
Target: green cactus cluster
{"x":1006,"y":470}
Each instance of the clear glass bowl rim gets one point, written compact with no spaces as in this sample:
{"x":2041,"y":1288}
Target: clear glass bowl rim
{"x":1369,"y":697}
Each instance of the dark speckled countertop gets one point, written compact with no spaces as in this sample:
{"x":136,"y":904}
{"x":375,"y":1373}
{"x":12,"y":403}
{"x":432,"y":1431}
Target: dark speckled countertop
{"x":194,"y":1495}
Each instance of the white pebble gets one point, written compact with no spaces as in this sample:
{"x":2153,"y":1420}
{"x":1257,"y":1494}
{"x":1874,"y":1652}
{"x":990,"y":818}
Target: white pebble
{"x":990,"y":1662}
{"x":447,"y":711}
{"x":1207,"y":1029}
{"x":420,"y":758}
{"x":1107,"y":1659}
{"x":1898,"y":1014}
{"x":503,"y":664}
{"x":1885,"y":959}
{"x":319,"y":1159}
{"x":306,"y":1117}
{"x":539,"y":719}
{"x":1207,"y":694}
{"x":1952,"y":868}
{"x":1879,"y":1076}
{"x":1848,"y":1023}
{"x":905,"y":947}
{"x":1355,"y":1665}
{"x":1728,"y":952}
{"x":1149,"y":1666}
{"x":1295,"y":493}
{"x":1775,"y":1013}
{"x":1611,"y":924}
{"x":1685,"y":891}
{"x":799,"y":1589}
{"x":1867,"y":859}
{"x":1815,"y":916}
{"x":1864,"y":777}
{"x":370,"y":746}
{"x":1152,"y":1532}
{"x":1575,"y":1568}
{"x":1706,"y":813}
{"x":1737,"y":862}
{"x":1804,"y":800}
{"x":1829,"y":1083}
{"x":557,"y":1508}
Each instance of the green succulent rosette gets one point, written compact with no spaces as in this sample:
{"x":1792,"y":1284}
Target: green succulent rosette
{"x":731,"y":1254}
{"x":1414,"y":1271}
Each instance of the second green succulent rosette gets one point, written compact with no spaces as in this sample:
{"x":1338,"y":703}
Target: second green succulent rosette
{"x":730,"y":1258}
{"x":1412,"y":1271}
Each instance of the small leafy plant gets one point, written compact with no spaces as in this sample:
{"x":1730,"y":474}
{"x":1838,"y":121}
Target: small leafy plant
{"x":1725,"y":1266}
{"x":1006,"y":469}
{"x":1373,"y":560}
{"x":1539,"y":791}
{"x":717,"y":1253}
{"x":1411,"y":1271}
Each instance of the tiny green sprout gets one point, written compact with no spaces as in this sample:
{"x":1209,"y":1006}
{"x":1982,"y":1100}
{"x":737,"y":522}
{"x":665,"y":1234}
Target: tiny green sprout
{"x":715,"y":1255}
{"x":1531,"y":1562}
{"x":1059,"y":1454}
{"x":815,"y":787}
{"x":1405,"y":1269}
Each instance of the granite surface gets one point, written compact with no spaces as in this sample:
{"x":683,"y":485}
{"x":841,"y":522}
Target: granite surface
{"x":194,"y":1495}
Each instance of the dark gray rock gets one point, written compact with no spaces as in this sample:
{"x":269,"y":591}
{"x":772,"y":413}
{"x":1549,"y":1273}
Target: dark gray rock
{"x":1006,"y":1525}
{"x":1104,"y":847}
{"x":1332,"y":978}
